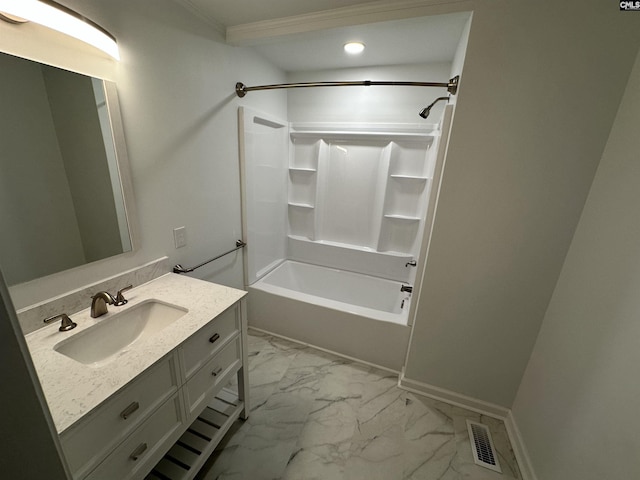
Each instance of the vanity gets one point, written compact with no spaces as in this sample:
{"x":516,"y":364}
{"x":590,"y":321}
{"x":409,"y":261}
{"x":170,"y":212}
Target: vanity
{"x":150,"y":388}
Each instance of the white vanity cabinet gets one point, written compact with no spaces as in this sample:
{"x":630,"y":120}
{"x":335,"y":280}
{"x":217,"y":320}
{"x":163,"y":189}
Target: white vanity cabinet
{"x":183,"y":396}
{"x":142,"y":449}
{"x":207,"y":381}
{"x":91,"y":439}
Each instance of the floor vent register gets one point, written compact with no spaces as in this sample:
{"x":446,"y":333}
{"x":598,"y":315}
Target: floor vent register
{"x":484,"y":453}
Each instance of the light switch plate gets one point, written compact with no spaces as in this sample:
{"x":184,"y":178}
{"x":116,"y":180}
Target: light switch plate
{"x":180,"y":237}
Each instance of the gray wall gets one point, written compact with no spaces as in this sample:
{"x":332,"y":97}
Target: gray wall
{"x":542,"y":82}
{"x":577,"y":404}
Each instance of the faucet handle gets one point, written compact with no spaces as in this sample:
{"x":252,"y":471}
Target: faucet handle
{"x":120,"y":300}
{"x":67,"y":323}
{"x":406,"y":288}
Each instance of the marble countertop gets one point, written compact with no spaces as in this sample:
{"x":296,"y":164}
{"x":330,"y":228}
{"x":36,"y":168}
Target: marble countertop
{"x":73,"y":389}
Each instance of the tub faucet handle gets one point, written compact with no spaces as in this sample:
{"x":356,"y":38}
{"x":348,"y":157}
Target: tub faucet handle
{"x":406,"y":288}
{"x":412,"y":263}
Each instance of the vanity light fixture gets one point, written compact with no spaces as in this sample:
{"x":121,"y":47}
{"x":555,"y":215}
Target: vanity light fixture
{"x":58,"y":17}
{"x":354,"y":48}
{"x":12,"y":18}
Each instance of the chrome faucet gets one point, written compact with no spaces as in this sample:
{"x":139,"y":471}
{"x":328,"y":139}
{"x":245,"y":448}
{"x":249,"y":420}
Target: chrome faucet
{"x":99,"y":303}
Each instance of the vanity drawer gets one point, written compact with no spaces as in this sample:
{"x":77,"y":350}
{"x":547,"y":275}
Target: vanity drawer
{"x":207,"y":342}
{"x":137,"y":455}
{"x":212,"y":376}
{"x":91,"y":439}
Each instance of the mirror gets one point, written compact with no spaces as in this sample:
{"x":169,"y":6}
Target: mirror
{"x":62,"y":199}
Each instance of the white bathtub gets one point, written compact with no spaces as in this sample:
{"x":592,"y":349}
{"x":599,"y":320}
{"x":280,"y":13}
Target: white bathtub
{"x":356,"y":315}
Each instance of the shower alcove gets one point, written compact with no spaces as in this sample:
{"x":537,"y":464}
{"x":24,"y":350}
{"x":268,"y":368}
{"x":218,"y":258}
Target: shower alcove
{"x":334,"y":215}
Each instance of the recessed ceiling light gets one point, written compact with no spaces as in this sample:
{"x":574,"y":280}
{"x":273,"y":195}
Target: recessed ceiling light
{"x":354,"y":48}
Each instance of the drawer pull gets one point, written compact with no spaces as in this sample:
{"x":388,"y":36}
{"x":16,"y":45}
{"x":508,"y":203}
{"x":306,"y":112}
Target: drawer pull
{"x":215,"y":373}
{"x":137,"y":453}
{"x":126,"y":413}
{"x":215,"y":338}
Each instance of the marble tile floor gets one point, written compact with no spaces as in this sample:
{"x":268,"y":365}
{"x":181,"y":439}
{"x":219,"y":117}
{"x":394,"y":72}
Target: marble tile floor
{"x":316,"y":416}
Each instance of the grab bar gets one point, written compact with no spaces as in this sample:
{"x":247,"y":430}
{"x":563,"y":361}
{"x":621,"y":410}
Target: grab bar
{"x":180,"y":269}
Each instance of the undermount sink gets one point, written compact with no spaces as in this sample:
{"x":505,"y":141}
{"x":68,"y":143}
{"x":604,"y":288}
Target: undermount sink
{"x":96,"y":345}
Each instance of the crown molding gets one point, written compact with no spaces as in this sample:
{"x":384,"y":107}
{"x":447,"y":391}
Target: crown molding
{"x":250,"y":33}
{"x":219,"y":27}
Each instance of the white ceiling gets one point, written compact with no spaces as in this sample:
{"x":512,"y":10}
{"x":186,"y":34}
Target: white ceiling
{"x":409,"y":41}
{"x":416,"y":40}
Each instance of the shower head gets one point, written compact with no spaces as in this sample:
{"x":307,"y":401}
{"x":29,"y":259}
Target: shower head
{"x":424,"y":113}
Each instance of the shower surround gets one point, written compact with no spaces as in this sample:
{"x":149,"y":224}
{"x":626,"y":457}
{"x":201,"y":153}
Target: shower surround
{"x":332,"y":210}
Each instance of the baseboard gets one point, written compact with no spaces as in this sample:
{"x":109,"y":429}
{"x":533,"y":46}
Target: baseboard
{"x":519,"y":448}
{"x":453,"y":398}
{"x":346,"y":357}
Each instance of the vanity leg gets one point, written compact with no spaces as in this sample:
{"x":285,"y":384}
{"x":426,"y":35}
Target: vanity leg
{"x":243,"y":373}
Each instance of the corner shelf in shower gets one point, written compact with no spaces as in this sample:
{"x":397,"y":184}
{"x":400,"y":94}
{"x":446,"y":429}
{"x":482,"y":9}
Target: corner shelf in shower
{"x":300,"y":205}
{"x":403,"y":217}
{"x":410,"y":178}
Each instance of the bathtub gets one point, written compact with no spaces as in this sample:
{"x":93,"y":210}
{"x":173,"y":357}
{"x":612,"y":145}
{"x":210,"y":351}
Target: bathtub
{"x":355,"y":315}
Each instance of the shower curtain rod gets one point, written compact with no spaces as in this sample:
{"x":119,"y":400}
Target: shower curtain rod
{"x":451,"y":85}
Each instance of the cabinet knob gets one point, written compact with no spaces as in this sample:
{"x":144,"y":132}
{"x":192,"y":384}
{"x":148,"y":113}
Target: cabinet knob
{"x":214,"y":338}
{"x":137,"y":453}
{"x":216,"y":372}
{"x":126,"y":413}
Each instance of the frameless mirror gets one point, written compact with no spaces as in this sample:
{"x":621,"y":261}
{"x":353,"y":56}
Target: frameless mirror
{"x":62,"y":200}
